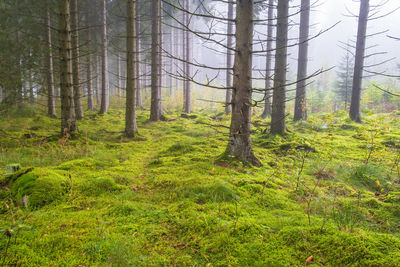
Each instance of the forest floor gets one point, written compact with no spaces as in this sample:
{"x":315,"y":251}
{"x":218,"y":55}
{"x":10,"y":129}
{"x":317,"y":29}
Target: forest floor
{"x":328,"y":189}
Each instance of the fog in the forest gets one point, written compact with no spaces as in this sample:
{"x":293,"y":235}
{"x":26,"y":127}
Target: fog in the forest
{"x":325,"y":50}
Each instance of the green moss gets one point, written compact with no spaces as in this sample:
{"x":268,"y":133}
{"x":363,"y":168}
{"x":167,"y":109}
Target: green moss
{"x":165,"y":200}
{"x":39,"y":188}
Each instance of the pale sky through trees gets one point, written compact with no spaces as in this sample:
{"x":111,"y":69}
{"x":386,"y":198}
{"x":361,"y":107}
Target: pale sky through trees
{"x":325,"y":51}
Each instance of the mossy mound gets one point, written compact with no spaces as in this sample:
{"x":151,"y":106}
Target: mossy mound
{"x":39,"y":188}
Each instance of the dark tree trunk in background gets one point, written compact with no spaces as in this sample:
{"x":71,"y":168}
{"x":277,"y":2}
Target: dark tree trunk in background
{"x":51,"y":103}
{"x":239,"y":144}
{"x":75,"y":60}
{"x":130,"y":115}
{"x":119,"y":84}
{"x":97,"y":82}
{"x":155,"y":109}
{"x":104,"y":64}
{"x":68,"y":123}
{"x":89,"y":60}
{"x":139,"y":100}
{"x":359,"y":61}
{"x":188,"y":100}
{"x":278,"y":124}
{"x":300,"y":109}
{"x":229,"y":43}
{"x":268,"y":73}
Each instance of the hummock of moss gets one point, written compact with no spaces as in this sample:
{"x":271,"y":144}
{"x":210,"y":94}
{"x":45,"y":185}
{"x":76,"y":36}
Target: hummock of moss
{"x":168,"y":200}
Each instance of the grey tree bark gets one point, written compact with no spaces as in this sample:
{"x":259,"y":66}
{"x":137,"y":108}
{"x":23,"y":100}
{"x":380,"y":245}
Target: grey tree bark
{"x":104,"y":65}
{"x":75,"y":60}
{"x":229,"y":43}
{"x":188,"y":100}
{"x":89,"y":60}
{"x":359,"y":61}
{"x":139,"y":100}
{"x":239,"y":144}
{"x":156,"y":109}
{"x":119,"y":84}
{"x":130,"y":115}
{"x":68,"y":122}
{"x":268,"y":64}
{"x":300,"y":109}
{"x":278,"y":123}
{"x":51,"y":103}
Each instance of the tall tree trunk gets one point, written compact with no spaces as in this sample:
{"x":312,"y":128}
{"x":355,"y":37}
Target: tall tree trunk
{"x":239,"y":144}
{"x":98,"y":79}
{"x":139,"y":100}
{"x":359,"y":61}
{"x":268,"y":72}
{"x":278,"y":123}
{"x":184,"y":57}
{"x":228,"y":99}
{"x":68,"y":123}
{"x":104,"y":65}
{"x":51,"y":103}
{"x":75,"y":60}
{"x":300,"y":109}
{"x":130,"y":115}
{"x":89,"y":60}
{"x":155,"y":109}
{"x":119,"y":84}
{"x":30,"y":80}
{"x":188,"y":100}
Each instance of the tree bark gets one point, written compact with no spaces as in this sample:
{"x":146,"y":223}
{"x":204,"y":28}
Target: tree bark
{"x":188,"y":100}
{"x":119,"y":84}
{"x":51,"y":103}
{"x":75,"y":60}
{"x":278,"y":123}
{"x":300,"y":109}
{"x":130,"y":115}
{"x":229,"y":43}
{"x":68,"y":122}
{"x":268,"y":64}
{"x":359,"y":61}
{"x":104,"y":65}
{"x":89,"y":60}
{"x":139,"y":100}
{"x":239,"y":144}
{"x":156,"y":109}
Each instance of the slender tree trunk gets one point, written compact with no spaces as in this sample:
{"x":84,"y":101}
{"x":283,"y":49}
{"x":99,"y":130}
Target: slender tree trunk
{"x":31,"y":95}
{"x":278,"y":124}
{"x":68,"y":123}
{"x":119,"y":84}
{"x":228,"y":106}
{"x":359,"y":61}
{"x":184,"y":57}
{"x":75,"y":60}
{"x":130,"y":115}
{"x":51,"y":103}
{"x":20,"y":83}
{"x":89,"y":60}
{"x":104,"y":67}
{"x":188,"y":100}
{"x":268,"y":73}
{"x":239,"y":144}
{"x":171,"y":64}
{"x":155,"y":109}
{"x":300,"y":109}
{"x":139,"y":100}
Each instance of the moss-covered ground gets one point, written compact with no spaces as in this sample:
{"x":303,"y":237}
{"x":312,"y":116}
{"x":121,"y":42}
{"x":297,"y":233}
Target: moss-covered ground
{"x":328,"y":189}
